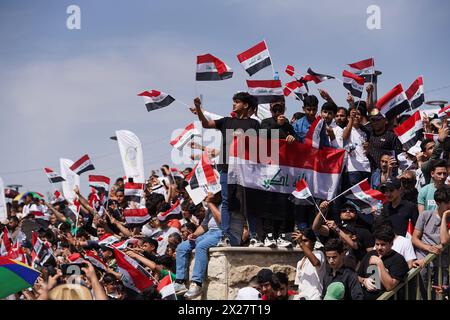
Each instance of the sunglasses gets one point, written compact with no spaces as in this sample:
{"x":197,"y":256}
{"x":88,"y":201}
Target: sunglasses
{"x":278,"y":110}
{"x":348,"y":209}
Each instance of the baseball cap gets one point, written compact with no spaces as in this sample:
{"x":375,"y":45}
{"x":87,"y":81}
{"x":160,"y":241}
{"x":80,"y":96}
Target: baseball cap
{"x":375,"y":115}
{"x":351,"y":204}
{"x":248,"y":293}
{"x":391,"y":183}
{"x":335,"y":291}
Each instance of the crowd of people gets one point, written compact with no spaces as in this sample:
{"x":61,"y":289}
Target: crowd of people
{"x":347,"y":254}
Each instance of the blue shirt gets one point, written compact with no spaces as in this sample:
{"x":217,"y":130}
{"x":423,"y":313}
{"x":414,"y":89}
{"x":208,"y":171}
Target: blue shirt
{"x":301,"y":127}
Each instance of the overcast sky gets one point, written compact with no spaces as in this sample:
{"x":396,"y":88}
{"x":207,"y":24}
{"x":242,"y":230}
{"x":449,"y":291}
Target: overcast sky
{"x":64,"y":92}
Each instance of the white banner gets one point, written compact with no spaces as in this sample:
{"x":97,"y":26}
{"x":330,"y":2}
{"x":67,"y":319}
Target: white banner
{"x":72,"y":179}
{"x":3,"y":213}
{"x":132,"y":156}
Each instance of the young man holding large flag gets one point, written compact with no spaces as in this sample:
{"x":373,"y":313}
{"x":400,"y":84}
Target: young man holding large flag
{"x":244,"y":105}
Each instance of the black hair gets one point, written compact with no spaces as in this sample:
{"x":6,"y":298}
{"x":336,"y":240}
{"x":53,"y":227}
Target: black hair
{"x":151,"y":293}
{"x":384,"y":233}
{"x":189,"y":169}
{"x":165,"y":166}
{"x":172,"y":246}
{"x":329,"y":106}
{"x":298,"y":115}
{"x":166,"y":261}
{"x":361,"y":103}
{"x":82,"y":233}
{"x":309,"y":234}
{"x":120,"y":190}
{"x":361,"y":108}
{"x":311,"y":101}
{"x":190,"y":226}
{"x":162,"y":207}
{"x":109,"y":278}
{"x":278,"y":99}
{"x":424,"y":143}
{"x":151,"y":241}
{"x":442,"y":194}
{"x":282,"y":277}
{"x":342,"y":108}
{"x":334,"y":245}
{"x":152,"y":202}
{"x":246,"y":97}
{"x":438,"y":163}
{"x":176,"y":236}
{"x":119,"y":179}
{"x":14,"y":219}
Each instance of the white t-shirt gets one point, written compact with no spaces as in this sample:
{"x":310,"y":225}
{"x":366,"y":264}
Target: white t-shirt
{"x":309,"y":278}
{"x":405,"y":247}
{"x":356,"y":159}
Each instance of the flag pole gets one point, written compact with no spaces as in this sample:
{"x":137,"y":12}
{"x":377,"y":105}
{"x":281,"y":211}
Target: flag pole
{"x":345,"y":191}
{"x":271,"y":63}
{"x":320,"y":211}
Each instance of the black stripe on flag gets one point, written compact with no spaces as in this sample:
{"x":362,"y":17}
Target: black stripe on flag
{"x":266,"y":99}
{"x":212,"y":76}
{"x":398,"y":109}
{"x":355,"y":92}
{"x":260,"y":65}
{"x":418,"y":101}
{"x":160,"y":104}
{"x":89,"y":167}
{"x":57,"y":179}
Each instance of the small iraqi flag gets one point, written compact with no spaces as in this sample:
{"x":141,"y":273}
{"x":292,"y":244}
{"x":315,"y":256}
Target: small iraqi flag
{"x":134,"y":191}
{"x":410,"y":131}
{"x":393,"y":103}
{"x":189,"y":132}
{"x":52,"y":176}
{"x":255,"y":58}
{"x":154,"y":99}
{"x":210,"y":68}
{"x":315,"y":133}
{"x":353,"y":83}
{"x":316,"y":77}
{"x":166,"y":288}
{"x":302,"y":195}
{"x":173,"y":213}
{"x":364,"y":196}
{"x":444,"y":112}
{"x":136,"y":216}
{"x":364,"y":68}
{"x":295,"y":89}
{"x":265,"y":90}
{"x":82,"y":165}
{"x":99,"y":182}
{"x":415,"y":93}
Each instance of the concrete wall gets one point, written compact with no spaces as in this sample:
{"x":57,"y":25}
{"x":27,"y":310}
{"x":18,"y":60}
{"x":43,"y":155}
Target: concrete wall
{"x":230,"y":269}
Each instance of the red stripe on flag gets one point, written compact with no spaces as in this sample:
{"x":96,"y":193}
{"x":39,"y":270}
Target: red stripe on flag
{"x":407,"y":124}
{"x":264,"y":83}
{"x":398,"y":89}
{"x":253,"y":51}
{"x":150,"y":94}
{"x":358,"y":79}
{"x":414,"y":87}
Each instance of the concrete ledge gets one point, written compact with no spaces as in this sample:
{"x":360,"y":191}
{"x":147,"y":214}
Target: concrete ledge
{"x":231,"y":268}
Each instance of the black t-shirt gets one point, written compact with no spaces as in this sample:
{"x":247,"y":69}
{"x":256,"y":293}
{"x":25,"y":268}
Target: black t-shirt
{"x":395,"y":265}
{"x":283,"y":131}
{"x":400,"y":215}
{"x":349,"y":279}
{"x":386,"y":142}
{"x":225,"y":123}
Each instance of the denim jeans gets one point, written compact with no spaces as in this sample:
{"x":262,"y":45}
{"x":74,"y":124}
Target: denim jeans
{"x":225,"y":215}
{"x":201,"y":245}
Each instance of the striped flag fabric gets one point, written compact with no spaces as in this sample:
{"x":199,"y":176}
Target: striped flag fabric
{"x":188,"y":133}
{"x":107,"y":239}
{"x":315,"y":132}
{"x":295,"y":89}
{"x":176,"y":173}
{"x":410,"y":131}
{"x":82,"y":165}
{"x":415,"y":93}
{"x":431,"y":136}
{"x":210,"y":68}
{"x":364,"y":196}
{"x":393,"y":103}
{"x":444,"y":112}
{"x":58,"y":197}
{"x":256,"y":58}
{"x":166,"y":288}
{"x":203,"y":173}
{"x":39,"y":212}
{"x":93,"y":258}
{"x":353,"y":83}
{"x":321,"y":167}
{"x":316,"y":77}
{"x":154,"y":99}
{"x":6,"y":243}
{"x":75,"y":258}
{"x":17,"y":253}
{"x":265,"y":90}
{"x":173,"y":213}
{"x":135,"y":277}
{"x":364,"y":68}
{"x":99,"y":182}
{"x":290,"y":70}
{"x":302,"y":195}
{"x":409,"y":230}
{"x":121,"y":245}
{"x":52,"y":176}
{"x":136,"y":216}
{"x":134,"y":191}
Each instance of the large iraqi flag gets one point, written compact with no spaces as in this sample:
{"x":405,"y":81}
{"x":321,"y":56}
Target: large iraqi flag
{"x":279,"y":173}
{"x":255,"y":58}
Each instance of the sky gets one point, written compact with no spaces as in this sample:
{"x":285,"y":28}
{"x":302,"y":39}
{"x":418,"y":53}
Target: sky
{"x":64,"y":92}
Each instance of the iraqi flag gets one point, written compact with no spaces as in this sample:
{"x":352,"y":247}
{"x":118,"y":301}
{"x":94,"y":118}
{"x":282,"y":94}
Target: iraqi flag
{"x":17,"y":253}
{"x":203,"y":173}
{"x":302,"y":195}
{"x":255,"y":58}
{"x":295,"y":89}
{"x":364,"y":68}
{"x":431,"y":136}
{"x":135,"y":276}
{"x":82,"y":165}
{"x":316,"y":77}
{"x":99,"y":183}
{"x":166,"y":288}
{"x":107,"y":239}
{"x":154,"y":99}
{"x":410,"y":131}
{"x":415,"y":93}
{"x":444,"y":112}
{"x":265,"y":90}
{"x":75,"y":258}
{"x":315,"y":132}
{"x":6,"y":243}
{"x":353,"y":83}
{"x":280,"y":172}
{"x":134,"y":191}
{"x":93,"y":258}
{"x":393,"y":103}
{"x":174,"y":172}
{"x":52,"y":176}
{"x":188,"y":133}
{"x":39,"y":212}
{"x":173,"y":213}
{"x":210,"y":68}
{"x":364,"y":196}
{"x":290,"y":70}
{"x":136,"y":216}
